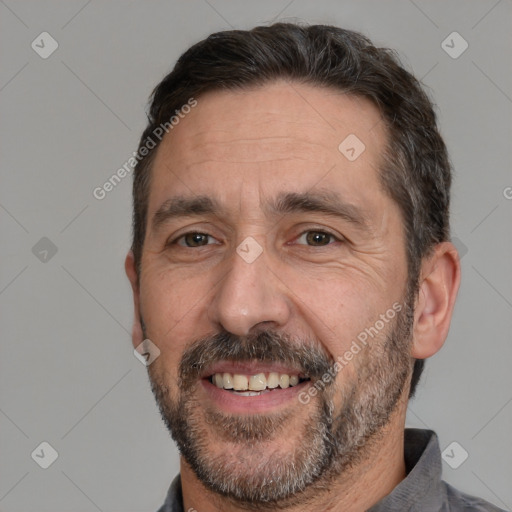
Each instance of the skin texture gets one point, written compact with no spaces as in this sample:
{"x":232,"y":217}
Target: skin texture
{"x":243,"y":149}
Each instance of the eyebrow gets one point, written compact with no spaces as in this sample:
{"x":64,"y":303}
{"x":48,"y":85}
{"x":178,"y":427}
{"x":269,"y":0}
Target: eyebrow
{"x":324,"y":201}
{"x":184,"y":207}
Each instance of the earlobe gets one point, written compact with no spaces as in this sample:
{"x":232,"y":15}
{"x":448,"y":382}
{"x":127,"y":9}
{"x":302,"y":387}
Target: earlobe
{"x":439,"y":283}
{"x":131,"y":272}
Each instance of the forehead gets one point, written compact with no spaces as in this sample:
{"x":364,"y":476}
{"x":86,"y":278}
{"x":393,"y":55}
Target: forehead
{"x":275,"y":135}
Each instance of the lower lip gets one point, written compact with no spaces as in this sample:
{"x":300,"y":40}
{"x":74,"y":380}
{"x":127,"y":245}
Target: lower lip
{"x":238,"y":404}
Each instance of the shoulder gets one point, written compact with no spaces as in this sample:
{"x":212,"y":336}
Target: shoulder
{"x":457,"y":500}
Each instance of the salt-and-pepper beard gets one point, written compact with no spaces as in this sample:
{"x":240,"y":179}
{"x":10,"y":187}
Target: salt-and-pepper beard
{"x":331,"y":441}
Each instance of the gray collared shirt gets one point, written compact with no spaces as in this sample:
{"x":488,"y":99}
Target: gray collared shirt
{"x":422,"y":490}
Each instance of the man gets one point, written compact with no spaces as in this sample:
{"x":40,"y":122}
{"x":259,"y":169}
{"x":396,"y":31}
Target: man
{"x":291,"y":270}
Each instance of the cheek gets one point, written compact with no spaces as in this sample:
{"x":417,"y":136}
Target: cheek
{"x":167,"y":298}
{"x":174,"y":307}
{"x":344,"y":317}
{"x":335,"y":304}
{"x":165,"y":316}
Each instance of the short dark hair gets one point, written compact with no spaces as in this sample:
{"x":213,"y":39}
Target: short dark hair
{"x":415,"y":171}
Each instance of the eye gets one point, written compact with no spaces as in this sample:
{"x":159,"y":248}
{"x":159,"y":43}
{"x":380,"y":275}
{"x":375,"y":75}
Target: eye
{"x":194,"y":239}
{"x":316,"y":238}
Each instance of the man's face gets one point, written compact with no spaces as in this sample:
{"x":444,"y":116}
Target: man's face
{"x":268,"y":252}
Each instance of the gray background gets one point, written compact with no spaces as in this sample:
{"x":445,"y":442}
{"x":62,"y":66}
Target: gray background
{"x":67,"y":371}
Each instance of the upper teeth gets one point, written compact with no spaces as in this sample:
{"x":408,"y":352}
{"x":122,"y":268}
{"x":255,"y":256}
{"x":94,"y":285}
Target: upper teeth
{"x":258,"y":382}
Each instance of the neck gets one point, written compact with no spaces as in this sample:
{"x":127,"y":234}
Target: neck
{"x":356,"y":489}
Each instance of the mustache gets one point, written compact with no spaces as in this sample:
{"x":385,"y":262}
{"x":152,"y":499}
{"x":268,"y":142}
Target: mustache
{"x":263,"y":346}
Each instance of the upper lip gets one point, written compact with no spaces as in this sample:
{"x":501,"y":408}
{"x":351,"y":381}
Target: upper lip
{"x":249,"y":368}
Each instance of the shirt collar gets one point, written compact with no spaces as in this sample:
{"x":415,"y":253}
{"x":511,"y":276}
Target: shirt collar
{"x":422,"y":488}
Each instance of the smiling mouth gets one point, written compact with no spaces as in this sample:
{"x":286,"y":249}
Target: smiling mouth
{"x":255,"y":385}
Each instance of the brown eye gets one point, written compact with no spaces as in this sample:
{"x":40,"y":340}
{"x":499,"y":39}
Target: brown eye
{"x":194,"y":240}
{"x":316,"y":238}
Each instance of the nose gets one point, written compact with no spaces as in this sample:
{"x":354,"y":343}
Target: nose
{"x":250,"y":296}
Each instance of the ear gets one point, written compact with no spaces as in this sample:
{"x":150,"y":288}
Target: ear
{"x":439,"y":283}
{"x":131,"y":272}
